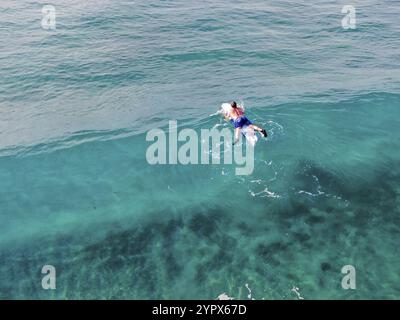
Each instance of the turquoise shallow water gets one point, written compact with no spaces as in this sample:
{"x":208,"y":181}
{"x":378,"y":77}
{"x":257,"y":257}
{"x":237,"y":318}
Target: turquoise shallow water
{"x":77,"y":192}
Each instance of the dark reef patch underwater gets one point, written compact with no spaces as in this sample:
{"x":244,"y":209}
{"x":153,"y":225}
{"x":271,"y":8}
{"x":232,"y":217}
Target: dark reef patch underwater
{"x":203,"y":251}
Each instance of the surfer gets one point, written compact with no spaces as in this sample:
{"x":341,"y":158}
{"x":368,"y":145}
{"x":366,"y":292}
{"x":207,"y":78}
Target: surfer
{"x":236,"y":116}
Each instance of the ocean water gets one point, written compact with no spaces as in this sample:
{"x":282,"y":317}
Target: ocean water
{"x":76,"y":190}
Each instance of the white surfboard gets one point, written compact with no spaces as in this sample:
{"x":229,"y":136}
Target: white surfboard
{"x":226,"y":108}
{"x":250,"y":135}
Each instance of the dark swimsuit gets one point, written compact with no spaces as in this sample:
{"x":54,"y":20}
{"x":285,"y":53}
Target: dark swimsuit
{"x":241,"y":122}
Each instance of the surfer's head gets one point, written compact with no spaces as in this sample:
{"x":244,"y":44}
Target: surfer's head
{"x":233,"y":104}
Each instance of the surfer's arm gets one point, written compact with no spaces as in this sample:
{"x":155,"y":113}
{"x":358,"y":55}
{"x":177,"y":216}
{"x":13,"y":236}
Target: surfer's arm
{"x":237,"y":134}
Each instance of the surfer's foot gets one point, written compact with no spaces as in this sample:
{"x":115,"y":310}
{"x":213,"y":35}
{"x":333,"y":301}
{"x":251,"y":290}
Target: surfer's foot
{"x":264,"y":133}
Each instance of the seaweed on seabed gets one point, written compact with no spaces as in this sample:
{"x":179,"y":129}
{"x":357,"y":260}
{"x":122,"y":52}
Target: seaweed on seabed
{"x":325,"y":266}
{"x":206,"y":224}
{"x":268,"y":250}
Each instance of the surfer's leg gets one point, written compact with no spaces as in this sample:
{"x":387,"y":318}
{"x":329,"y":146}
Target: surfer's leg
{"x":253,"y":126}
{"x":263,"y":132}
{"x":237,"y":134}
